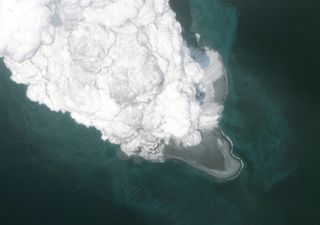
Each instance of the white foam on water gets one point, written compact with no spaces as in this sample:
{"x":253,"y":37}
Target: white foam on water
{"x":119,"y":66}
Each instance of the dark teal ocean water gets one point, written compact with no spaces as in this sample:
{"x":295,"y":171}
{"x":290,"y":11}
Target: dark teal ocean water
{"x":55,"y":172}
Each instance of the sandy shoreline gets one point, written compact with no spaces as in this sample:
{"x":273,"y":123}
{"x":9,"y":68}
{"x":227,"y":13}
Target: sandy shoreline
{"x":217,"y":161}
{"x":214,"y":155}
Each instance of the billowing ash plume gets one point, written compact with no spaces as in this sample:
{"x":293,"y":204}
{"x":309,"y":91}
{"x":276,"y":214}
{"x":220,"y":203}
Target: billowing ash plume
{"x":120,"y":66}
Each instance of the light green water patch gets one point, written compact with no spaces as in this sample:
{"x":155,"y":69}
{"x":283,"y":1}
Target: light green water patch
{"x":77,"y":159}
{"x":51,"y":137}
{"x":252,"y":119}
{"x":216,"y":22}
{"x":256,"y":124}
{"x":168,"y":193}
{"x":210,"y":156}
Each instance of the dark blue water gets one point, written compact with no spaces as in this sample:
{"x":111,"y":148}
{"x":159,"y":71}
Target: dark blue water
{"x":53,"y":171}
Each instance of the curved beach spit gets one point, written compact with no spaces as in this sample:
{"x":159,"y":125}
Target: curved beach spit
{"x":214,"y":155}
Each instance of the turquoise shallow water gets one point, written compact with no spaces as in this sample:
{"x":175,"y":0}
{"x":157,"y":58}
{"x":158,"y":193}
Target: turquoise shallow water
{"x":54,"y":171}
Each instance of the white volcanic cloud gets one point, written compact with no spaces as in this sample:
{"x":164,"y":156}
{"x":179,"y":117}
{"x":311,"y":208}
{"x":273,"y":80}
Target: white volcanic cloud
{"x":120,"y":66}
{"x":25,"y":26}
